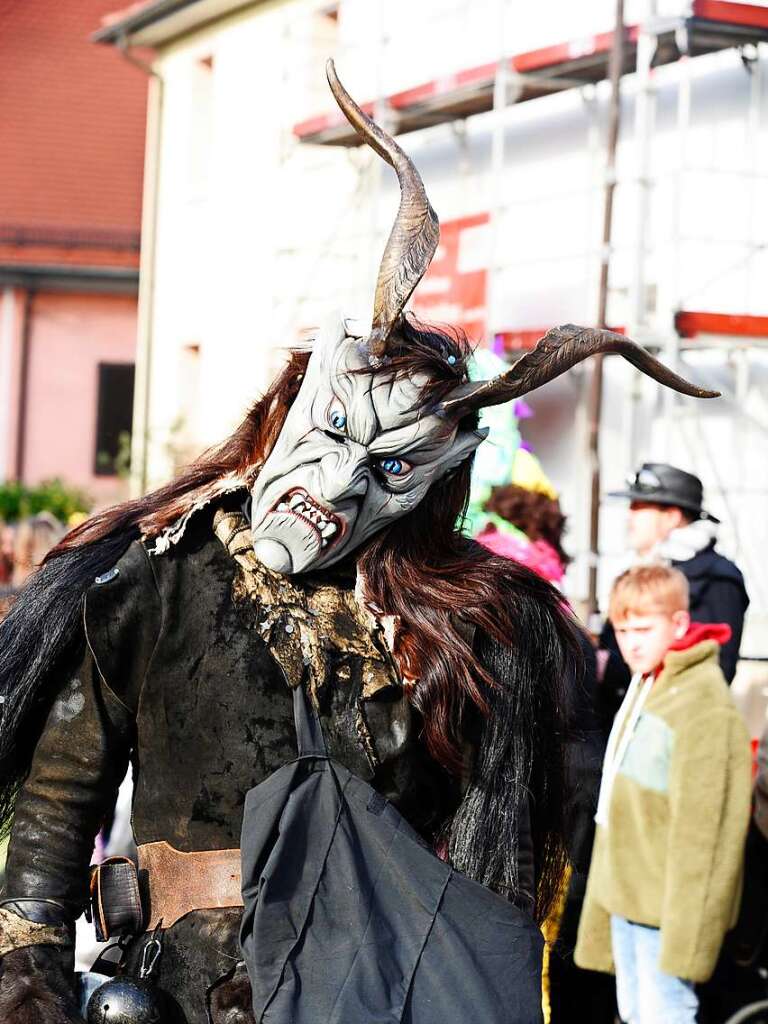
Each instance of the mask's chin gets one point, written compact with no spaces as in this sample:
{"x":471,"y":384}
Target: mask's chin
{"x":274,"y":555}
{"x":287,"y":543}
{"x":298,"y":532}
{"x":280,"y":557}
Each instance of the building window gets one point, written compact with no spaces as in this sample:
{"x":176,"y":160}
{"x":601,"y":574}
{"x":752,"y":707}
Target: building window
{"x":113,"y":418}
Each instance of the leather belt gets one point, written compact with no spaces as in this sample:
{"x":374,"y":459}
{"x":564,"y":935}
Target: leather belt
{"x":176,"y":883}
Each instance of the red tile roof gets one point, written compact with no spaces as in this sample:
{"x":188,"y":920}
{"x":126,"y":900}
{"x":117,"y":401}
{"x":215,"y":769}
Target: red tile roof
{"x":72,"y":125}
{"x":129,"y":11}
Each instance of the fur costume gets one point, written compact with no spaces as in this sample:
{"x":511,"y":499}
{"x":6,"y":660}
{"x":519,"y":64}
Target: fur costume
{"x":319,"y":544}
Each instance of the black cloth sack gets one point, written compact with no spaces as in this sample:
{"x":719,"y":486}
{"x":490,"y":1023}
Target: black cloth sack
{"x":350,"y":918}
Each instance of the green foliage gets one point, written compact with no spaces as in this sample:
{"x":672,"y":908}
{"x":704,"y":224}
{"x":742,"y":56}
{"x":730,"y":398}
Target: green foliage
{"x":118,"y":463}
{"x":123,"y":457}
{"x":17,"y":501}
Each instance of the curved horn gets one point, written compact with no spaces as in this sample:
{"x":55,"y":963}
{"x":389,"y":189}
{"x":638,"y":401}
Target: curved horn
{"x":415,"y":233}
{"x":559,"y":350}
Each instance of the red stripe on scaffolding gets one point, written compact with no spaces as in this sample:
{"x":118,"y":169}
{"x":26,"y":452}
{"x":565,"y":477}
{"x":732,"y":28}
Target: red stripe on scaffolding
{"x":524,"y":339}
{"x":440,"y":86}
{"x":553,"y":56}
{"x":731,"y":13}
{"x":313,"y":125}
{"x":689,"y":324}
{"x":713,"y":25}
{"x":523,"y":63}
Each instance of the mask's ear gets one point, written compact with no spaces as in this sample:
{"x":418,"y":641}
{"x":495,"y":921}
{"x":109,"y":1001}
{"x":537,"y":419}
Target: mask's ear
{"x":465,"y":443}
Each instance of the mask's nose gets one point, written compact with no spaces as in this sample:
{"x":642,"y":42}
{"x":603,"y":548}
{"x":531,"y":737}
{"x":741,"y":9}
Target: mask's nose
{"x":344,"y":473}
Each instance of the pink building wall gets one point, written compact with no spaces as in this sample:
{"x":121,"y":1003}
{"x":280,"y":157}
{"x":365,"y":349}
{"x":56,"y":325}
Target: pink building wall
{"x":11,"y":332}
{"x":70,"y":334}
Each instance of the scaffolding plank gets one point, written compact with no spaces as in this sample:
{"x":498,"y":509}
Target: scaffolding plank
{"x":692,"y":323}
{"x":748,"y":15}
{"x":713,"y":25}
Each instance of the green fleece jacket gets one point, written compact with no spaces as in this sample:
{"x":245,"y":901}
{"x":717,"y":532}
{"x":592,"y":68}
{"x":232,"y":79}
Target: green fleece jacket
{"x":670,"y":855}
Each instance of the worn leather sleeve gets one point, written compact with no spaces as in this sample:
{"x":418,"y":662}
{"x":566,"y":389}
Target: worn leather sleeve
{"x":83,"y":751}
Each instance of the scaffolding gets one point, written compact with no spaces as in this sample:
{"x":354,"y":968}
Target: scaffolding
{"x":709,"y":27}
{"x":704,"y":27}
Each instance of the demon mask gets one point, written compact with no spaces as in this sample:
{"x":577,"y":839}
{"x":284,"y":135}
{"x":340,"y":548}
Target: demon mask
{"x":359,"y":448}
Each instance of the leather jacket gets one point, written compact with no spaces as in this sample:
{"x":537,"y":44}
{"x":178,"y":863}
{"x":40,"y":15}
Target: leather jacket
{"x":183,"y":673}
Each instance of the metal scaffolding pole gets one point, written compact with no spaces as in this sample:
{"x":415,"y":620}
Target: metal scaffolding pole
{"x":498,"y":190}
{"x":596,"y":384}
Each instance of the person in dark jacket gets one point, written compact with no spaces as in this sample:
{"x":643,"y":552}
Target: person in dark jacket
{"x":667,"y":522}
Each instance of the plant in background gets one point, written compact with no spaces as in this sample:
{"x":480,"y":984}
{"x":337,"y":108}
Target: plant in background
{"x":18,"y":501}
{"x":117,"y":463}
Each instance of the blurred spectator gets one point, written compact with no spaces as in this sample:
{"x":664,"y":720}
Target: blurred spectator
{"x":666,"y":868}
{"x":34,"y":538}
{"x":527,"y":526}
{"x":668,"y":524}
{"x":22,"y":549}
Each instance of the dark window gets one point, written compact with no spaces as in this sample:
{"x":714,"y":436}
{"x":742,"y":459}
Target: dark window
{"x":113,"y":418}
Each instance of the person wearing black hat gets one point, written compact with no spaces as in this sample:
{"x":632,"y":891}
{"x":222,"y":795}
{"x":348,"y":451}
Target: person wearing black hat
{"x":667,"y":522}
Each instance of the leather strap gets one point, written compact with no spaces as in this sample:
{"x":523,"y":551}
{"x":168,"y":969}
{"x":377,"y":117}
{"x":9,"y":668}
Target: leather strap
{"x":178,"y":883}
{"x":310,"y":741}
{"x":115,"y":899}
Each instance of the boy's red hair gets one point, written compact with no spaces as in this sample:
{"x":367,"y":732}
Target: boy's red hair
{"x":647,"y":590}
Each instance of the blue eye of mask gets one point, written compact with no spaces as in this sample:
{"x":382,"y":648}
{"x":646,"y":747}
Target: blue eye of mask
{"x":338,"y":420}
{"x":393,"y":466}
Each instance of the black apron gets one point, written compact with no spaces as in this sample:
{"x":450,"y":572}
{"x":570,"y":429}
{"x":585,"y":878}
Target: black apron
{"x":350,"y":918}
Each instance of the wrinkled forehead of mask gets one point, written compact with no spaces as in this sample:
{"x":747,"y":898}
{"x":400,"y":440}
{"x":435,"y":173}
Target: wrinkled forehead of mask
{"x":358,"y":449}
{"x":376,"y":397}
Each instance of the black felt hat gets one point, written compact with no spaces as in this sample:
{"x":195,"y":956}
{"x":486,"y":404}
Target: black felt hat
{"x":660,"y":484}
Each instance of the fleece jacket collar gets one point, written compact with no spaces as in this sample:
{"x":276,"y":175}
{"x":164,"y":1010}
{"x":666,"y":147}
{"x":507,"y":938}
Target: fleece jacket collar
{"x":701,"y":643}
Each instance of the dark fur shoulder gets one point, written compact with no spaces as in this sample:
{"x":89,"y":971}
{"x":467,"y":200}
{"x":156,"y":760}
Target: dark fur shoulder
{"x":34,"y":988}
{"x":41,"y":639}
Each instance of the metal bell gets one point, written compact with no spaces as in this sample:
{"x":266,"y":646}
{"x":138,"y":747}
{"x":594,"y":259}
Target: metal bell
{"x":125,"y":1000}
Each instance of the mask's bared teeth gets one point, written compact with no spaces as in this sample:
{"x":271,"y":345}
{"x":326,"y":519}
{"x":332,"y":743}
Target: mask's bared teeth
{"x":296,"y":500}
{"x":328,"y":530}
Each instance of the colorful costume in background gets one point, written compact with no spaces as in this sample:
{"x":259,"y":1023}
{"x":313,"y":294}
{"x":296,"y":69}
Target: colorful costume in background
{"x":507,"y":459}
{"x":316,"y":547}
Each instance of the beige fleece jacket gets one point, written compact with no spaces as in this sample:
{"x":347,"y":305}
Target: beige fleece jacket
{"x":671,"y":853}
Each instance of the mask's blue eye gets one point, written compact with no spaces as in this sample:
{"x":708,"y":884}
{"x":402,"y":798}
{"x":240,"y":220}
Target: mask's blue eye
{"x":394,"y":466}
{"x":337,"y":419}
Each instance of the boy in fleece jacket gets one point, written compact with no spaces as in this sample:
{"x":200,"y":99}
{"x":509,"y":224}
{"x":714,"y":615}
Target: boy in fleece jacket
{"x":674,"y":805}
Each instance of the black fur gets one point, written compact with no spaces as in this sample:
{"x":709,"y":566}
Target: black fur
{"x":34,"y":988}
{"x":231,"y":1000}
{"x":514,"y":806}
{"x":40,"y":635}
